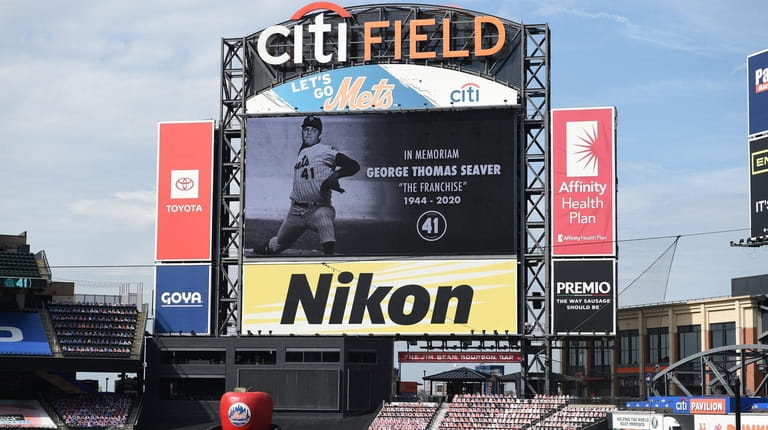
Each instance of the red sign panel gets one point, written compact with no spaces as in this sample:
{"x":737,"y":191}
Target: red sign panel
{"x":459,"y":357}
{"x":714,"y":406}
{"x":583,"y":182}
{"x":184,"y":190}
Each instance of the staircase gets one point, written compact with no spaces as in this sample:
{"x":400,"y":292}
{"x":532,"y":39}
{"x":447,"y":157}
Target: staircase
{"x":50,"y":333}
{"x":141,"y":324}
{"x":439,"y":415}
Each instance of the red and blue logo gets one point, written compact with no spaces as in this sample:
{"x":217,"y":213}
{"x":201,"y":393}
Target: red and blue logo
{"x":467,"y":93}
{"x":239,"y":414}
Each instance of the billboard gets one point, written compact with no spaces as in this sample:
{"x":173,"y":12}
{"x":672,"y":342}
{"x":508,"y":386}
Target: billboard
{"x":757,"y":92}
{"x":380,"y":297}
{"x":22,"y":333}
{"x":184,"y":191}
{"x":429,"y":183}
{"x":728,"y":422}
{"x":459,"y":357}
{"x":24,"y":414}
{"x":182,"y":298}
{"x":583,"y":206}
{"x":758,"y":186}
{"x":584,"y":296}
{"x":382,"y":87}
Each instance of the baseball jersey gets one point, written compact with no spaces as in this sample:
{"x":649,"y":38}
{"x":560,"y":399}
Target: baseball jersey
{"x":314,"y":165}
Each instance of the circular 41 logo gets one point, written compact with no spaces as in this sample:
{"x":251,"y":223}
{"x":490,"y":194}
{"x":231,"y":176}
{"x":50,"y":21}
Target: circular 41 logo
{"x":431,"y":226}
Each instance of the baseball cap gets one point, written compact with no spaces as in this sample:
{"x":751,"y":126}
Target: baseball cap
{"x":312,"y":121}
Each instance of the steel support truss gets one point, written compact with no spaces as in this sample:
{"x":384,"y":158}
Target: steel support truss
{"x":719,"y":371}
{"x":537,"y":348}
{"x":533,"y":265}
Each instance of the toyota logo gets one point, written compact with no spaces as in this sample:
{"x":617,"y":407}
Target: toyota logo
{"x":185,"y":184}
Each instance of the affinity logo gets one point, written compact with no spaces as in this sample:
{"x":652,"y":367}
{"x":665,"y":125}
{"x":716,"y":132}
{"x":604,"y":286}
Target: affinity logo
{"x":184,"y":184}
{"x":580,"y":145}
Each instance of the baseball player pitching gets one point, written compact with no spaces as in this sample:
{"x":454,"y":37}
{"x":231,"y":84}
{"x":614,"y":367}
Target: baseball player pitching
{"x":316,"y":173}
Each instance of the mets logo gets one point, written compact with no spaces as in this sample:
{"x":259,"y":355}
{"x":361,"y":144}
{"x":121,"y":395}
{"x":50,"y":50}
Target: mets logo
{"x":239,"y":414}
{"x":185,"y":184}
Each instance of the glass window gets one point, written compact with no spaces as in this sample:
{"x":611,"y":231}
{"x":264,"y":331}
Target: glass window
{"x":602,"y":349}
{"x":722,"y":334}
{"x":362,"y":356}
{"x":576,"y":350}
{"x":265,"y":356}
{"x":658,"y":345}
{"x":690,"y":339}
{"x":294,"y":356}
{"x":312,"y":355}
{"x":192,"y":357}
{"x":628,"y":349}
{"x":192,"y":388}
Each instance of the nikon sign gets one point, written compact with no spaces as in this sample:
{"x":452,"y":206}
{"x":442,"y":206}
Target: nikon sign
{"x":382,"y":297}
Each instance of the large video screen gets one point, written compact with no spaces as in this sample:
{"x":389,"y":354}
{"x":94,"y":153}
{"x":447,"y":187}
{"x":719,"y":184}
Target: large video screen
{"x":414,"y":183}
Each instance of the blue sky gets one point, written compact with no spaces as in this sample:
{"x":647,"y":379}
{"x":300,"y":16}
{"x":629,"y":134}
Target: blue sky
{"x":83,"y":85}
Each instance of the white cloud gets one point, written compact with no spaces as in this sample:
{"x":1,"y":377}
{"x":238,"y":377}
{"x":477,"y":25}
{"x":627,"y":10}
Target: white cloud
{"x":133,"y":209}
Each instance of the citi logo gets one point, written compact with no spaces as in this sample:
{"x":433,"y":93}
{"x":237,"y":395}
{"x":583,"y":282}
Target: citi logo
{"x":467,"y":93}
{"x":761,"y":80}
{"x":181,"y":299}
{"x":318,"y":29}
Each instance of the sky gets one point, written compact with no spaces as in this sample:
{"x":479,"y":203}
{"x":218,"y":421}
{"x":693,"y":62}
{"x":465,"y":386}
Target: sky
{"x":83,"y":85}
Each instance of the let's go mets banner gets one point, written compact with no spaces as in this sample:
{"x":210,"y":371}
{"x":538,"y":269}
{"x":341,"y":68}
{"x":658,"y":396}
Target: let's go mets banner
{"x":583,"y":182}
{"x":381,"y":297}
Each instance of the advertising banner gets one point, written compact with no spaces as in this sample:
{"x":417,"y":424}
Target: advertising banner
{"x":24,"y":414}
{"x":184,"y":191}
{"x":634,"y":420}
{"x":459,"y":357}
{"x":382,"y":87}
{"x":426,"y":183}
{"x":583,"y":182}
{"x":757,"y":92}
{"x":758,"y":186}
{"x":584,"y":296}
{"x":728,"y":422}
{"x":380,"y":297}
{"x":182,"y":298}
{"x":22,"y":333}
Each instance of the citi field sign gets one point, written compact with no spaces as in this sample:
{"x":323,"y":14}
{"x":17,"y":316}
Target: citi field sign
{"x":419,"y":58}
{"x":290,"y":39}
{"x":381,"y":297}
